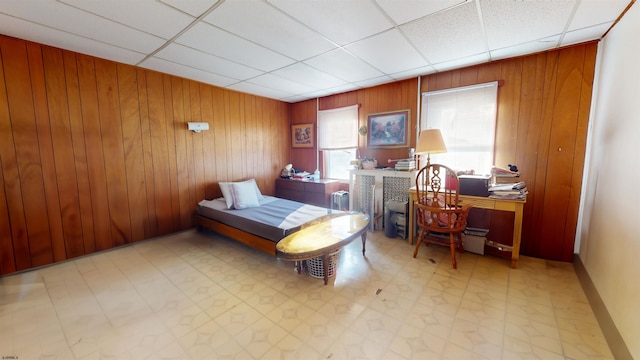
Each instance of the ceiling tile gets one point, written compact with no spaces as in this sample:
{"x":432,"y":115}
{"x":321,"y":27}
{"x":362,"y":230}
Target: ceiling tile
{"x":592,"y":12}
{"x":585,"y":34}
{"x":457,"y":63}
{"x":218,"y":42}
{"x":281,"y":84}
{"x":192,"y":7}
{"x":526,"y":48}
{"x":341,"y":21}
{"x":263,"y":24}
{"x":199,"y":60}
{"x":149,"y":16}
{"x":376,"y":81}
{"x":343,"y":65}
{"x":305,"y":74}
{"x":425,"y":70}
{"x":74,"y":21}
{"x":251,"y":88}
{"x":505,"y":20}
{"x":452,"y":34}
{"x":388,"y":52}
{"x":169,"y":67}
{"x":403,"y":11}
{"x":29,"y":31}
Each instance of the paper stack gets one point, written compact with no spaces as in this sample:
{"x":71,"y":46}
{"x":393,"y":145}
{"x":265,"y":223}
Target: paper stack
{"x":515,"y":191}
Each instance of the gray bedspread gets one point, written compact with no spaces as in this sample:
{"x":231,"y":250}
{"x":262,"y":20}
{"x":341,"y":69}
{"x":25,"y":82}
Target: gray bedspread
{"x":274,"y":219}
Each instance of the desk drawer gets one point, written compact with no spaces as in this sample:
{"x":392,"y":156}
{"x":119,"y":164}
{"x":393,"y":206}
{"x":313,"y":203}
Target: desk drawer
{"x":479,"y":203}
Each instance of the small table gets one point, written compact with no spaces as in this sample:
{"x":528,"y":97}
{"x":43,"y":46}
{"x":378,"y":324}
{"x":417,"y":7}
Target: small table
{"x":323,"y":239}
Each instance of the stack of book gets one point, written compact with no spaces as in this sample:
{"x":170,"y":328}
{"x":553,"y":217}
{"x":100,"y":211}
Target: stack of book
{"x":512,"y":191}
{"x":406,"y":165}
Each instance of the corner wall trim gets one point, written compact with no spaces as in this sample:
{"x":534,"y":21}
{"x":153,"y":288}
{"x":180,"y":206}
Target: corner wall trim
{"x":610,"y":331}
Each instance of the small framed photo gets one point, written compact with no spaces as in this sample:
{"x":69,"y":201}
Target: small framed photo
{"x":389,"y":129}
{"x":302,"y":136}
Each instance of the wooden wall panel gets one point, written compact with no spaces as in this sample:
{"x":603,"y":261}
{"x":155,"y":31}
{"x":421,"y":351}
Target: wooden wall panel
{"x":59,"y":105}
{"x":96,"y":154}
{"x":21,"y":163}
{"x":208,"y":143}
{"x":151,"y":225}
{"x":113,"y":147}
{"x":133,"y":149}
{"x":45,"y":143}
{"x":159,"y":153}
{"x":8,"y":258}
{"x":83,"y":227}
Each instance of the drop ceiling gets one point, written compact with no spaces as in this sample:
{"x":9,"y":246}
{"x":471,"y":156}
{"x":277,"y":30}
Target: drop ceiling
{"x":292,"y":50}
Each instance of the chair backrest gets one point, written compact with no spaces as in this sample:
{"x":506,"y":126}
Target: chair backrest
{"x":438,"y":181}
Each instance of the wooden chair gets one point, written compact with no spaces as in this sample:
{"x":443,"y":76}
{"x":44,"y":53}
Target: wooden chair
{"x":439,"y":216}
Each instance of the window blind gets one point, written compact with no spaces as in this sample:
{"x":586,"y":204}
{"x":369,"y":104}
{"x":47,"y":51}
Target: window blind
{"x":338,"y":128}
{"x":466,"y":116}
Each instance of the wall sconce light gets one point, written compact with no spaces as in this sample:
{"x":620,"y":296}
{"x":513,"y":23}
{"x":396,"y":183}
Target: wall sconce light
{"x":198,"y":126}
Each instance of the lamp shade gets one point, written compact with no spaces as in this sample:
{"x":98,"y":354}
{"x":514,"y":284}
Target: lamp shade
{"x":430,"y":141}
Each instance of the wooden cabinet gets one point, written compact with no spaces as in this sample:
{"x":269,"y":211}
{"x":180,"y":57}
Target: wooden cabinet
{"x":308,"y":192}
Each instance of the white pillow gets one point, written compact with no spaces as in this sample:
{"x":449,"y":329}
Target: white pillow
{"x":244,"y":195}
{"x":225,"y":188}
{"x":258,"y":193}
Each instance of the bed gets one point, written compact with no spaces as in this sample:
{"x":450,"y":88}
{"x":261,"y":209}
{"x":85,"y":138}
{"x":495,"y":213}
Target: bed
{"x":260,"y":222}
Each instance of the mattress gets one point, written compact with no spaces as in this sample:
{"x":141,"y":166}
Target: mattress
{"x":274,"y":219}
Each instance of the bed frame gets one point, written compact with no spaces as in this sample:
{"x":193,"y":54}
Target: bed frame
{"x":244,"y":237}
{"x":255,"y":241}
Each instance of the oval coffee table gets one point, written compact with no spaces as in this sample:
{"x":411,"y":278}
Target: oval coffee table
{"x":323,"y":239}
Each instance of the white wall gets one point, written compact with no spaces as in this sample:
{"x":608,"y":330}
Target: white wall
{"x":608,"y":235}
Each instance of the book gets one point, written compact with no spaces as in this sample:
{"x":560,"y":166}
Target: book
{"x":406,"y":165}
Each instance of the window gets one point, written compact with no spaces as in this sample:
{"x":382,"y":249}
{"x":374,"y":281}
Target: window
{"x":466,"y":117}
{"x":338,"y":139}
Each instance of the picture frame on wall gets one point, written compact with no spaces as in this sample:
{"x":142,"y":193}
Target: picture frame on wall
{"x":388,"y":129}
{"x":302,"y":136}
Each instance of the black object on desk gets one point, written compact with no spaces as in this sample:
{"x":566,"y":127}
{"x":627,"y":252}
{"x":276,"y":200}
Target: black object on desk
{"x":474,"y":185}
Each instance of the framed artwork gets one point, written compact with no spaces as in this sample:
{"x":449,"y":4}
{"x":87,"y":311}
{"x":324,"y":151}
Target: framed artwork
{"x":302,"y":136}
{"x":389,"y":129}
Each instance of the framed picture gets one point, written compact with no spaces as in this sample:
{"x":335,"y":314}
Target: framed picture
{"x":302,"y":136}
{"x":389,"y":129}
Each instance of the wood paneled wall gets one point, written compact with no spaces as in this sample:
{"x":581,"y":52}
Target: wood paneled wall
{"x":543,"y":112}
{"x":95,"y":154}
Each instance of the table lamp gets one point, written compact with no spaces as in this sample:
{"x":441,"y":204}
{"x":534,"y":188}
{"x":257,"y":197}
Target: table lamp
{"x":430,"y":141}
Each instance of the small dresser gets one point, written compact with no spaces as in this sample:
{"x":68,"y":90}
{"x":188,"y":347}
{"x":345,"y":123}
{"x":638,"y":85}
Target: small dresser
{"x":308,"y":192}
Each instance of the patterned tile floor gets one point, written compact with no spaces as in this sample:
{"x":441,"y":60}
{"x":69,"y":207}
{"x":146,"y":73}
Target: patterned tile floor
{"x":201,"y":296}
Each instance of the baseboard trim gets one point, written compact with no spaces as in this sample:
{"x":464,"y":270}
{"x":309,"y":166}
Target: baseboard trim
{"x":614,"y":339}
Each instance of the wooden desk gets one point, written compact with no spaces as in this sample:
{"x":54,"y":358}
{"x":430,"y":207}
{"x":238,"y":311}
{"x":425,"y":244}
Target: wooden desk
{"x":323,"y":239}
{"x":515,"y":206}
